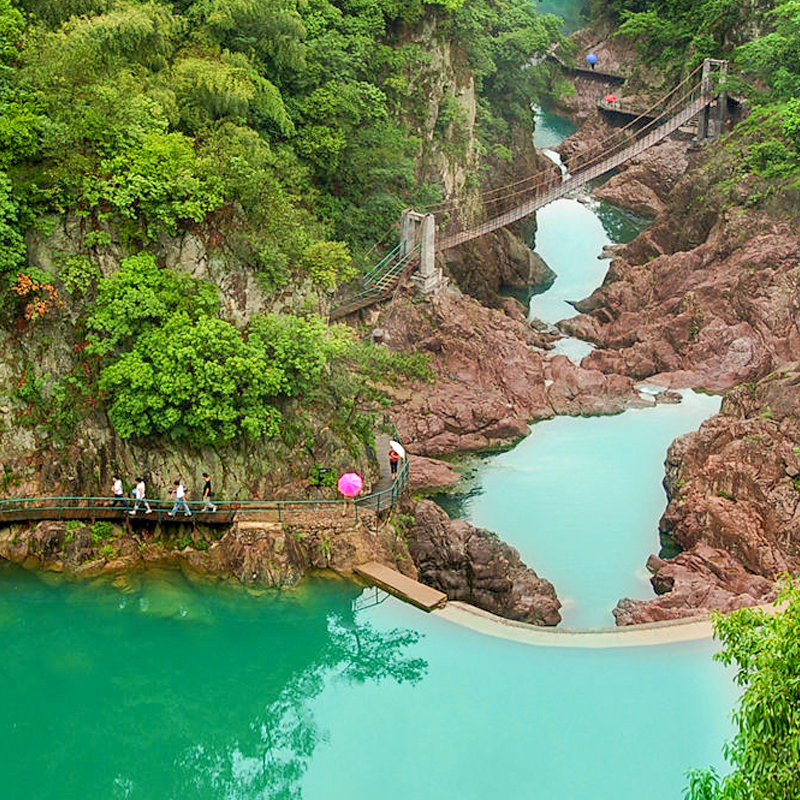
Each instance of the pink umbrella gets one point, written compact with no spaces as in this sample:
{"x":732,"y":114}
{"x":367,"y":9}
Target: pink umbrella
{"x":350,"y":484}
{"x":611,"y":98}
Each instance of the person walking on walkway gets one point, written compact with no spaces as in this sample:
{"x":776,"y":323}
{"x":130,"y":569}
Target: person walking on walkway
{"x":207,"y":494}
{"x":179,"y":490}
{"x":119,"y":494}
{"x":394,"y":459}
{"x":140,"y":498}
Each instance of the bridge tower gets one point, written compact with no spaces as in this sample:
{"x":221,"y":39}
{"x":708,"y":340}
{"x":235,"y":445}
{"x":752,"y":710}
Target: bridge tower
{"x":705,"y":127}
{"x":420,"y":229}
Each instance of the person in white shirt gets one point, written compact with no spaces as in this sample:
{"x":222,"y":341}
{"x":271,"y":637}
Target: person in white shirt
{"x":179,"y":490}
{"x":119,"y":494}
{"x":139,"y":497}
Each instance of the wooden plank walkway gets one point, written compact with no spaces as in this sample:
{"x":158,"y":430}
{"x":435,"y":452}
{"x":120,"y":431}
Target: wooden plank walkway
{"x":407,"y":589}
{"x":598,"y":73}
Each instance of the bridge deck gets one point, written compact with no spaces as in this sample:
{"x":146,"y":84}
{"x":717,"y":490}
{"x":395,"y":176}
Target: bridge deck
{"x":579,"y":179}
{"x":390,"y":580}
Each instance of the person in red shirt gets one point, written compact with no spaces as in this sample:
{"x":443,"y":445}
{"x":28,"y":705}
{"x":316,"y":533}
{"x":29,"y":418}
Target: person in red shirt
{"x":394,"y":458}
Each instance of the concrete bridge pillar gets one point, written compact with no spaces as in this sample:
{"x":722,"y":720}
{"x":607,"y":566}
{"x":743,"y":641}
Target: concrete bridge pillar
{"x":420,"y":229}
{"x":705,"y":126}
{"x":705,"y":91}
{"x":408,"y":230}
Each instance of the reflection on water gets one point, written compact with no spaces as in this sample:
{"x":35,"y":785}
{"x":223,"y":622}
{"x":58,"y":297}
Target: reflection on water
{"x":136,"y":700}
{"x":621,"y":225}
{"x":296,"y":696}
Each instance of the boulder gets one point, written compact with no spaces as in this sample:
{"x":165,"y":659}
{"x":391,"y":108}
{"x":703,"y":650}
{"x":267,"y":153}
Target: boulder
{"x":474,"y":565}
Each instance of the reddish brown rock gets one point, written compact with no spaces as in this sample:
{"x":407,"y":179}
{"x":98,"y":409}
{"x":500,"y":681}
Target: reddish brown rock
{"x":483,"y":267}
{"x":694,"y":583}
{"x":734,"y":505}
{"x":473,"y":565}
{"x":713,"y":316}
{"x":493,"y":375}
{"x":585,"y":392}
{"x":644,"y":183}
{"x":430,"y":473}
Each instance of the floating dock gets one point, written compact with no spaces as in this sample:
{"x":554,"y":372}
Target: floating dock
{"x":390,"y":580}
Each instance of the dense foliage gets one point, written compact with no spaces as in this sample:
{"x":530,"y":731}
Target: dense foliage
{"x":279,"y":125}
{"x":169,"y":366}
{"x":765,"y":752}
{"x":287,"y":135}
{"x":172,"y":367}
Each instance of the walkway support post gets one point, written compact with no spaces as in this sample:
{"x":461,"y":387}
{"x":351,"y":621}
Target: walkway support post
{"x":408,"y":231}
{"x":722,"y":100}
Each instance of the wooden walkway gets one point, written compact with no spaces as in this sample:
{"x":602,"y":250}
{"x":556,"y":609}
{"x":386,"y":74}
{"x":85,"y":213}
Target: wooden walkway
{"x":390,"y":580}
{"x":582,"y":69}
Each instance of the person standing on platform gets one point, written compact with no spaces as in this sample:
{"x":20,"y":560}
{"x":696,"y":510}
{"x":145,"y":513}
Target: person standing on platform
{"x":394,"y":459}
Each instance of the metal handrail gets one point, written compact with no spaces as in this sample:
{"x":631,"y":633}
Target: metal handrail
{"x":226,"y":508}
{"x":368,"y":277}
{"x":380,"y":288}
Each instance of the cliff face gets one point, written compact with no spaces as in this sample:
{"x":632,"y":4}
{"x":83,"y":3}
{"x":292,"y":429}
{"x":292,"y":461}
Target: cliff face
{"x":257,"y":554}
{"x":734,"y":505}
{"x":711,"y":315}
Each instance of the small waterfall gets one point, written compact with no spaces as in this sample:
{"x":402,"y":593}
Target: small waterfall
{"x":556,"y":159}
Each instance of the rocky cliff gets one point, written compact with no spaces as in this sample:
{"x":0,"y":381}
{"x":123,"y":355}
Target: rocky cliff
{"x":473,"y":565}
{"x":734,"y":505}
{"x":259,"y":554}
{"x":494,"y":374}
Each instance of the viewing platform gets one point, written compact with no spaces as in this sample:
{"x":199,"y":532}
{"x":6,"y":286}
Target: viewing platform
{"x":401,"y":586}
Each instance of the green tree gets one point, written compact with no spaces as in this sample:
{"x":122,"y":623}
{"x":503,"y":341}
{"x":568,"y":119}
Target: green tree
{"x":193,"y":380}
{"x":141,"y":297}
{"x":328,"y":263}
{"x":765,"y":751}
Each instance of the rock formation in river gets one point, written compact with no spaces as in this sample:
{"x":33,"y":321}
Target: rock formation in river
{"x":494,"y":374}
{"x":473,"y":565}
{"x":734,"y":505}
{"x":711,"y":314}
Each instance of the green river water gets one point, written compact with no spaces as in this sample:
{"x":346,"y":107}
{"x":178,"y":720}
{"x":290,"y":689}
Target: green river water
{"x":170,"y":690}
{"x":160,"y":689}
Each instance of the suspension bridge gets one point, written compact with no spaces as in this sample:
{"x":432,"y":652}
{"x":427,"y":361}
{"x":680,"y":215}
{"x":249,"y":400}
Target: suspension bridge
{"x":453,"y":223}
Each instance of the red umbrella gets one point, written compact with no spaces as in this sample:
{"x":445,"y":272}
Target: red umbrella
{"x":350,"y":484}
{"x":611,"y":98}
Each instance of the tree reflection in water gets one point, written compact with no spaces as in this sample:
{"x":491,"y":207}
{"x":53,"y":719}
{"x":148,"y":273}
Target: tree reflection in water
{"x":164,"y":689}
{"x":271,"y":759}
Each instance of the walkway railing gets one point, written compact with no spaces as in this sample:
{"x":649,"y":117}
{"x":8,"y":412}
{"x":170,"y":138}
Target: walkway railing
{"x":93,"y":509}
{"x":380,"y":281}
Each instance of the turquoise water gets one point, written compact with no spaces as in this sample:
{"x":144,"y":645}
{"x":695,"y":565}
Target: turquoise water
{"x":173,"y":691}
{"x":550,"y":129}
{"x":581,"y":498}
{"x":570,"y":236}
